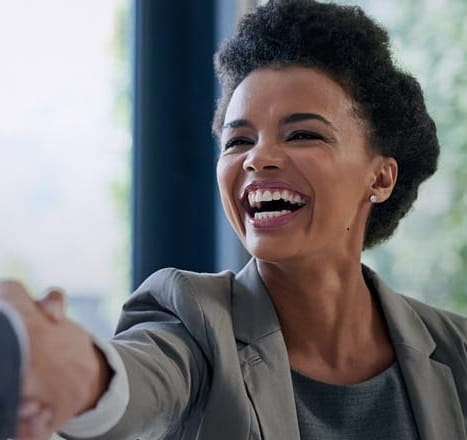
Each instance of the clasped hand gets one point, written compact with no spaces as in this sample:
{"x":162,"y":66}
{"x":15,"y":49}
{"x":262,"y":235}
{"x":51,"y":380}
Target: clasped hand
{"x":65,"y":374}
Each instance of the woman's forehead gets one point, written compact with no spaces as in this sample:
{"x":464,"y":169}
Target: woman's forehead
{"x":276,"y":92}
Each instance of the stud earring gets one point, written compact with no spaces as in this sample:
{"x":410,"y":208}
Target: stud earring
{"x":373,"y":198}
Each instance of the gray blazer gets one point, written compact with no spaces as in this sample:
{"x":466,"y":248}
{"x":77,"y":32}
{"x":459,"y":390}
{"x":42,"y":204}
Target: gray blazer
{"x":9,"y":377}
{"x":206,"y":360}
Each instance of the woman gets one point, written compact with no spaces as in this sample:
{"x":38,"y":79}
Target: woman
{"x":324,"y":143}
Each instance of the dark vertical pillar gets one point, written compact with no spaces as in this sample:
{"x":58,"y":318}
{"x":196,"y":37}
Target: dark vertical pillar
{"x":173,"y":160}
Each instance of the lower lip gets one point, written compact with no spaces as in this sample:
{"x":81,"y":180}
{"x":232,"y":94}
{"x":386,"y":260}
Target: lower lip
{"x":274,"y":222}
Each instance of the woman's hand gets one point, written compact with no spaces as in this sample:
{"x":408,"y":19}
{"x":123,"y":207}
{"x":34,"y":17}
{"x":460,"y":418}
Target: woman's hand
{"x":65,"y":375}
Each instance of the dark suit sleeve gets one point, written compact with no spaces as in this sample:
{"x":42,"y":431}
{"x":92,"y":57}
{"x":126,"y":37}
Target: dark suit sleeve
{"x":10,"y":357}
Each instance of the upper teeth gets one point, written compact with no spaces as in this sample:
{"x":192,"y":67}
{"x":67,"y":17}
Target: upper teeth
{"x":265,"y":195}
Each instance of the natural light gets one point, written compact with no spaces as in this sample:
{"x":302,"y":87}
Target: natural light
{"x":65,"y":141}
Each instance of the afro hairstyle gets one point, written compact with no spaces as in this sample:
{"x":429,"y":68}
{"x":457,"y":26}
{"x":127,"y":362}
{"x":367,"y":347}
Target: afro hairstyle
{"x":354,"y":51}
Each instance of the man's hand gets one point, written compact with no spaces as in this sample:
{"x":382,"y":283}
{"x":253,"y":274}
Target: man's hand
{"x":66,"y":374}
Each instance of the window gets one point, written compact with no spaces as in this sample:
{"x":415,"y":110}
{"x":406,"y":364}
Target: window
{"x":65,"y":147}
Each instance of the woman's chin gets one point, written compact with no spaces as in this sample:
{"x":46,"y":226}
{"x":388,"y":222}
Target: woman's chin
{"x":270,"y":251}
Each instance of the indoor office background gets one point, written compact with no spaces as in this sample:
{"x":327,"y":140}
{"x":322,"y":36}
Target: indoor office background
{"x":107,"y":161}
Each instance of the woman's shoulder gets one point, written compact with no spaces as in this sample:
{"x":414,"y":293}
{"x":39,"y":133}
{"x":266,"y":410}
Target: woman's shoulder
{"x":443,"y":323}
{"x":198,"y":301}
{"x":171,"y":284}
{"x":192,"y":297}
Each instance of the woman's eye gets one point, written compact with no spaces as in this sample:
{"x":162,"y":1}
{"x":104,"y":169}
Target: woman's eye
{"x":304,"y":135}
{"x":237,"y":141}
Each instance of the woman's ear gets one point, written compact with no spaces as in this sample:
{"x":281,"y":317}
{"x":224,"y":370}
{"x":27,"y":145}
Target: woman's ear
{"x":385,"y":178}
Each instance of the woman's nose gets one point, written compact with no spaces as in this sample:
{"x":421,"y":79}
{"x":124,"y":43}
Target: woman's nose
{"x":264,"y":157}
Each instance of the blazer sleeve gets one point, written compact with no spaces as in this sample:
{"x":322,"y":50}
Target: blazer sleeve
{"x":168,"y":373}
{"x":10,"y":363}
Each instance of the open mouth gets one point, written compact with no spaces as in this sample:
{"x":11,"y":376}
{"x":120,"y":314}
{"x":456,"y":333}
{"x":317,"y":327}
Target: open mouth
{"x":262,"y":204}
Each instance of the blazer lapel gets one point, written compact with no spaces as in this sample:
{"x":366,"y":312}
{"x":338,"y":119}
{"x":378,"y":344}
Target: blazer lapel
{"x":430,"y":383}
{"x":433,"y":396}
{"x":264,"y":360}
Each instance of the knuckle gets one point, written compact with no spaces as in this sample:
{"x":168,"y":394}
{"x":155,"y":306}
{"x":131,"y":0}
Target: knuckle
{"x":56,"y":293}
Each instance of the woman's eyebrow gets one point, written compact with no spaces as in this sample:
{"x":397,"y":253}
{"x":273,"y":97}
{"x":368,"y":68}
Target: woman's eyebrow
{"x":236,"y":123}
{"x":298,"y":117}
{"x":294,"y":117}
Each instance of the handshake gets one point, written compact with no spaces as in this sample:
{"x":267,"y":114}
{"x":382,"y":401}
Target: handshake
{"x":61,"y":372}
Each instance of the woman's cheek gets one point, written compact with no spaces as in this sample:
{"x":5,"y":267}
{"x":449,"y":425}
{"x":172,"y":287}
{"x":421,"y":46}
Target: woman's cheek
{"x":227,"y":176}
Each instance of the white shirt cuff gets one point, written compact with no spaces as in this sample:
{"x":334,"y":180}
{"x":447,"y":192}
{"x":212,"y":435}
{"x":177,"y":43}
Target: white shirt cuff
{"x":112,"y":405}
{"x":21,"y":333}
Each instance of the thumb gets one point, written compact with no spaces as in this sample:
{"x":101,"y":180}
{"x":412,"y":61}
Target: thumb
{"x":53,"y":304}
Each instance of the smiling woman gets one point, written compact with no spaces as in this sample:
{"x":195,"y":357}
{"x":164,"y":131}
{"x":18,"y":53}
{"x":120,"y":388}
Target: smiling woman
{"x":324,"y":143}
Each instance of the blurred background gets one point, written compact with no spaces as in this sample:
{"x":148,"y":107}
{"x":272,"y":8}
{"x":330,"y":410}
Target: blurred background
{"x":107,"y":162}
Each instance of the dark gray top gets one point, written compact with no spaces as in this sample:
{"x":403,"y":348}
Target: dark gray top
{"x":378,"y":408}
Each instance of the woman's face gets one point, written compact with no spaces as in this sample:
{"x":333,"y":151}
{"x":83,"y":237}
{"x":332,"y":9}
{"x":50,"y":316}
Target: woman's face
{"x":295,"y":172}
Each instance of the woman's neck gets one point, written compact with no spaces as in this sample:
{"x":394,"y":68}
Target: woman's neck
{"x":326,"y":311}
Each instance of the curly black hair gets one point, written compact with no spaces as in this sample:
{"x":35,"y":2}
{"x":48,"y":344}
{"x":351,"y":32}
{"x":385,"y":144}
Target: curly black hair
{"x":355,"y":52}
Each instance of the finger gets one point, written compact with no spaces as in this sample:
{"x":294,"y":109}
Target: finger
{"x":36,"y":426}
{"x":41,"y":423}
{"x":6,"y":284}
{"x":53,"y":304}
{"x":29,"y":409}
{"x":13,"y":291}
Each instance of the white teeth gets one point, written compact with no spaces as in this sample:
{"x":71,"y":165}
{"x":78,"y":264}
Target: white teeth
{"x":271,"y":214}
{"x":267,"y":196}
{"x":276,"y":195}
{"x":256,"y":197}
{"x":297,"y":199}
